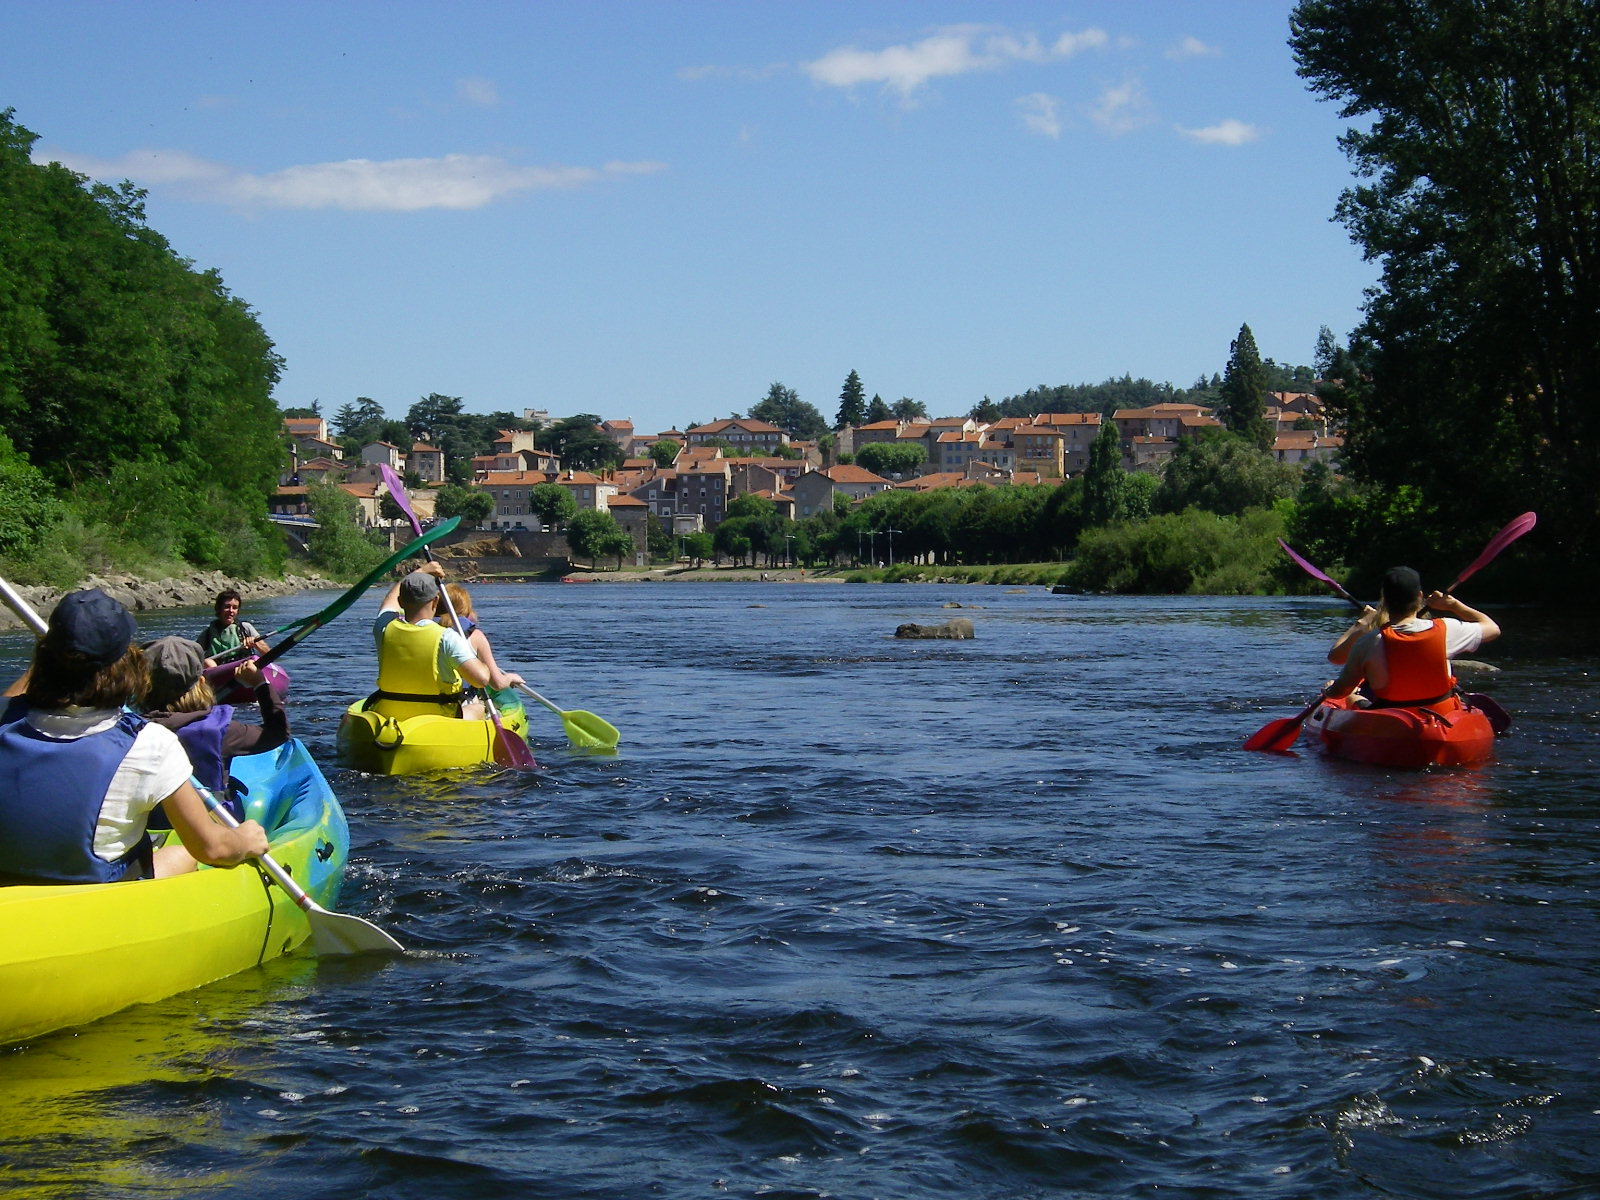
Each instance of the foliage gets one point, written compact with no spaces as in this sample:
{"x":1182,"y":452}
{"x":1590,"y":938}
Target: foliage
{"x":1224,"y":474}
{"x":877,"y":411}
{"x":852,"y":403}
{"x":120,"y":364}
{"x":471,"y":505}
{"x":1471,"y":376}
{"x":581,"y":443}
{"x":1242,"y":399}
{"x":337,"y":545}
{"x":1102,"y":477}
{"x":665,"y":452}
{"x":593,"y":535}
{"x":29,"y":508}
{"x":784,"y":408}
{"x":907,"y":409}
{"x":892,"y":460}
{"x":1190,"y":552}
{"x":552,"y":504}
{"x":658,"y":539}
{"x":699,"y":546}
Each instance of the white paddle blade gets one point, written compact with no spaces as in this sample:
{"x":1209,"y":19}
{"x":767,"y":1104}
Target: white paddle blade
{"x":335,"y":934}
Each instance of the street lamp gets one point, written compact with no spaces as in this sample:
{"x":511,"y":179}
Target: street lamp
{"x":891,"y":533}
{"x":872,"y":545}
{"x":789,"y":537}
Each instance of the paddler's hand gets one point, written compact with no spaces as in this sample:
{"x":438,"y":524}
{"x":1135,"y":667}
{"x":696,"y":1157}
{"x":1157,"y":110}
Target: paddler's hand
{"x":252,"y":839}
{"x":249,"y":674}
{"x":433,"y":567}
{"x":1439,"y":602}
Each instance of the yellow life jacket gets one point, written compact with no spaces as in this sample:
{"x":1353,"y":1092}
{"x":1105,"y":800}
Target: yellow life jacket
{"x":408,"y":674}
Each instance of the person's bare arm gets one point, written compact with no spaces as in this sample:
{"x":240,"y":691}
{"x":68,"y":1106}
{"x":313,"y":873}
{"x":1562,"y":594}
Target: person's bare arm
{"x":1451,"y":607}
{"x":209,"y":842}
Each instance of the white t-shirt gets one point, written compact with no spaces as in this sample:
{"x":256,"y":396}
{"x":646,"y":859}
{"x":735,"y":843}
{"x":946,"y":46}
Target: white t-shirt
{"x":156,"y":766}
{"x":1460,"y":637}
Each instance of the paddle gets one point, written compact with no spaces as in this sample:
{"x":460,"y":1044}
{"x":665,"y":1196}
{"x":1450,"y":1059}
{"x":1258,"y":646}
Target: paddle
{"x":1338,"y":588}
{"x":1512,"y":531}
{"x":584,"y":730}
{"x":331,"y":933}
{"x":1277,"y":736}
{"x":316,"y":621}
{"x":23,"y":609}
{"x":509,"y":749}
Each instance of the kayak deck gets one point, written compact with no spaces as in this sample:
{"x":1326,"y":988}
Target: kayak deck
{"x":384,"y":746}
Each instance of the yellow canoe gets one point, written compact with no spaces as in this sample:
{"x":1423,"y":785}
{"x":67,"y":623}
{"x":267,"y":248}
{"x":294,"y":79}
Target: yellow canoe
{"x":384,"y":746}
{"x":75,"y":953}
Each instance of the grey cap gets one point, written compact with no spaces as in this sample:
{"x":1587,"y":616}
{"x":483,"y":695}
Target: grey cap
{"x":174,"y":664}
{"x":417,"y":588}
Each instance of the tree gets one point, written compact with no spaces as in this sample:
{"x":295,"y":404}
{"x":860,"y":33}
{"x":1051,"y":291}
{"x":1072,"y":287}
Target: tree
{"x":784,"y":408}
{"x":699,"y":546}
{"x":581,"y":443}
{"x":1102,"y":477}
{"x":1479,"y":194}
{"x":552,"y":504}
{"x":594,"y":535}
{"x":1242,"y":403}
{"x":471,"y":505}
{"x":878,"y":411}
{"x":358,"y":421}
{"x":658,"y":540}
{"x":852,"y":403}
{"x":1223,"y":474}
{"x":665,"y":452}
{"x":907,"y":409}
{"x":892,"y":460}
{"x":337,"y":545}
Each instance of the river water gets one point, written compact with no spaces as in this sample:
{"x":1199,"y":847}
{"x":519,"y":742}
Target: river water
{"x":857,"y":917}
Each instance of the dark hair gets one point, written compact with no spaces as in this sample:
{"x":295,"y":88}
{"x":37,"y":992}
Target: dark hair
{"x":1402,"y":588}
{"x":62,"y":677}
{"x":224,"y":596}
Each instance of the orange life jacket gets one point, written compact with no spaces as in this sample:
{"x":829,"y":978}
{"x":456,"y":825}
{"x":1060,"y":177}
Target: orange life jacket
{"x":1419,"y":667}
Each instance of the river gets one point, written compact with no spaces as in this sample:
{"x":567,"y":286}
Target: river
{"x":856,"y":917}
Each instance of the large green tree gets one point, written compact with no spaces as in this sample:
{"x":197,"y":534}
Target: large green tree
{"x":581,"y":443}
{"x":1241,"y":403}
{"x":852,"y":403}
{"x":783,"y":407}
{"x":1473,"y":374}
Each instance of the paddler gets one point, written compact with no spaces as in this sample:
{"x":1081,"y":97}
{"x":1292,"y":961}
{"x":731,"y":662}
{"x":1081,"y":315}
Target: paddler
{"x":421,"y":663}
{"x":227,"y":635}
{"x":80,"y":773}
{"x":1398,"y":657}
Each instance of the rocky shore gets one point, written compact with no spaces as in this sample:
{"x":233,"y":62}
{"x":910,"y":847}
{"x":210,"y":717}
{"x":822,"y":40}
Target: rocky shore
{"x":185,"y":591}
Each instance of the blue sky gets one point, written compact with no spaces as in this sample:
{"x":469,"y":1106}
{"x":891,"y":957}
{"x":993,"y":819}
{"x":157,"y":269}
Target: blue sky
{"x":653,"y":211}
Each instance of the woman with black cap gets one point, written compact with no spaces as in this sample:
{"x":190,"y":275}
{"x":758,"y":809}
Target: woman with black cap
{"x":80,"y":773}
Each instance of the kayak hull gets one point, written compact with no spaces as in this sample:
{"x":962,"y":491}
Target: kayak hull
{"x":383,"y":746}
{"x":1448,"y":734}
{"x":76,"y":953}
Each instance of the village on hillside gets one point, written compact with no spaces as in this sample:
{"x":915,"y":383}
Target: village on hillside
{"x":741,"y":456}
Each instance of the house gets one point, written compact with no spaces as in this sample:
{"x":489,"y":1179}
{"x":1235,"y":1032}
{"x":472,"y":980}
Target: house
{"x":953,"y":449}
{"x":1040,"y":449}
{"x":1303,"y":446}
{"x":814,"y":491}
{"x":704,"y":486}
{"x":742,"y":433}
{"x":426,"y":461}
{"x":312,"y":428}
{"x":1078,"y":431}
{"x":381,"y":454}
{"x":366,"y":496}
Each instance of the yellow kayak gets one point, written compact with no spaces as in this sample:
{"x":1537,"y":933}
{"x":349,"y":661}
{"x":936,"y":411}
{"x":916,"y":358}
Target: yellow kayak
{"x":75,"y":953}
{"x":384,"y":746}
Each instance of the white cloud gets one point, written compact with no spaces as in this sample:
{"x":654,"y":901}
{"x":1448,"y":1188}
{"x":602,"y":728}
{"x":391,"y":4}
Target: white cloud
{"x":1193,"y":47}
{"x":1123,"y":108}
{"x":954,"y":50}
{"x":1223,"y":133}
{"x":475,"y":89}
{"x":1041,"y":113}
{"x":455,"y":181}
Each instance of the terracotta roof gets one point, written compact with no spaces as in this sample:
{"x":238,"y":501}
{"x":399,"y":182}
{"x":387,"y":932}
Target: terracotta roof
{"x":850,"y":473}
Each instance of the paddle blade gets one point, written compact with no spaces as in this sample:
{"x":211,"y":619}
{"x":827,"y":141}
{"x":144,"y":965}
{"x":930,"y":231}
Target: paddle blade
{"x":1513,"y":530}
{"x":1499,"y":718}
{"x":334,"y":934}
{"x":1275,"y":736}
{"x":509,"y":748}
{"x":589,"y":732}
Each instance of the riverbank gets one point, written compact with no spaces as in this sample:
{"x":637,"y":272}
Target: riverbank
{"x":1013,"y":574}
{"x":186,"y":591}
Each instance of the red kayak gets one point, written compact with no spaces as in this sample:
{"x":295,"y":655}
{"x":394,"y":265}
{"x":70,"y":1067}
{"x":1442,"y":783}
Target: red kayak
{"x":1451,"y":733}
